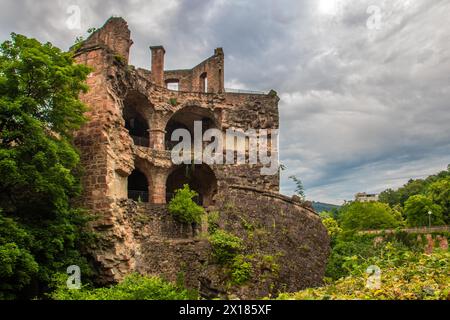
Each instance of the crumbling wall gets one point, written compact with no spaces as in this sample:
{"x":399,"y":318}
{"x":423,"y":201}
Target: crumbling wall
{"x":143,"y":237}
{"x":273,"y":226}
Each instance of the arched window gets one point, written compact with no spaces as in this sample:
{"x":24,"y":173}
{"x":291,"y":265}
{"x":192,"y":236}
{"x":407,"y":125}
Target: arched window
{"x":138,"y":186}
{"x":185,"y":119}
{"x":200,"y":178}
{"x":137,"y":126}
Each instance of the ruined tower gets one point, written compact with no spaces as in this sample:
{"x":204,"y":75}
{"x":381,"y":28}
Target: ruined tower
{"x":129,"y":175}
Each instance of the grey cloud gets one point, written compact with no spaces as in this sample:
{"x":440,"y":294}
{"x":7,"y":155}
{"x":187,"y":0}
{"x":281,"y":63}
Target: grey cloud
{"x":361,"y":109}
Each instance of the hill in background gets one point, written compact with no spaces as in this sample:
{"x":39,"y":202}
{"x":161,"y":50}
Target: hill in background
{"x":320,"y":206}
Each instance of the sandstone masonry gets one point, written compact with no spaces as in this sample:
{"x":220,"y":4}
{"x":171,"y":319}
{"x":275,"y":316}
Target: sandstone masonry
{"x":129,"y":176}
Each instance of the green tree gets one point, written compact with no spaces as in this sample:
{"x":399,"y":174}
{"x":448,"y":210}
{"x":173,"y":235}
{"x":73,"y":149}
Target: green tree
{"x":39,"y":111}
{"x":332,"y":227}
{"x":417,"y":208}
{"x":367,"y":215}
{"x":390,"y":197}
{"x":225,"y":246}
{"x":439,"y":193}
{"x":183,"y":207}
{"x":412,"y":188}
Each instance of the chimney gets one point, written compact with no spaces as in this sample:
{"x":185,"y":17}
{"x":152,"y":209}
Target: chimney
{"x":158,"y":53}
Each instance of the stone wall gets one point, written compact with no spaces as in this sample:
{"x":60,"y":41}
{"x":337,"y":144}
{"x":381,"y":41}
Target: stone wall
{"x":276,"y":226}
{"x":143,"y":237}
{"x":151,"y":242}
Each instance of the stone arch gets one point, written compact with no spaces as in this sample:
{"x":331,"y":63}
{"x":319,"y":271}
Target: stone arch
{"x":138,"y":186}
{"x":140,"y":182}
{"x":185,"y":118}
{"x":137,"y":111}
{"x":200,"y":178}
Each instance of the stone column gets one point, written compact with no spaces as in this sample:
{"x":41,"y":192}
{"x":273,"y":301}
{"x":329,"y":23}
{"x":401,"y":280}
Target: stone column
{"x":157,"y":137}
{"x":158,"y":53}
{"x":159,"y":188}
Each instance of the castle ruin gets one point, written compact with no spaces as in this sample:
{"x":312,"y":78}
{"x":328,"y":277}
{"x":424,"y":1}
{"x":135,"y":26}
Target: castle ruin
{"x":129,"y":176}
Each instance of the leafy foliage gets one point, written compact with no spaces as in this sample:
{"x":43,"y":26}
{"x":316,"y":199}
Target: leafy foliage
{"x":39,"y":110}
{"x":412,"y":188}
{"x":133,"y":287}
{"x":225,"y":246}
{"x":183,"y":208}
{"x":213,"y":221}
{"x":299,"y":189}
{"x":439,"y":193}
{"x":241,"y":270}
{"x":368,"y":215}
{"x":17,"y":265}
{"x":405,"y":275}
{"x":332,"y":227}
{"x":417,"y":208}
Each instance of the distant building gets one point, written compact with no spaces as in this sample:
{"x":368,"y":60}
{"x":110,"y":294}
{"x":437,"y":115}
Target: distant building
{"x":366,"y":197}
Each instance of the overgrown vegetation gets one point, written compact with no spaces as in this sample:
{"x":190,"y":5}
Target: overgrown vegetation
{"x":406,"y":272}
{"x":133,"y":287}
{"x":417,"y":197}
{"x":225,"y":246}
{"x":183,"y":207}
{"x":241,"y":269}
{"x":369,"y":215}
{"x":227,"y":251}
{"x":405,"y":275}
{"x":299,"y":189}
{"x":40,"y":231}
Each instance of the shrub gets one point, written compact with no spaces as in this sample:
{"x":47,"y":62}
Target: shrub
{"x":241,"y":270}
{"x":332,"y":227}
{"x":183,"y":208}
{"x":173,"y":102}
{"x":405,"y":275}
{"x":225,"y":246}
{"x":213,"y":222}
{"x":133,"y":287}
{"x":350,"y":250}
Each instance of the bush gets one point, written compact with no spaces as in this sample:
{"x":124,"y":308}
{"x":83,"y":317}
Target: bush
{"x":332,"y":227}
{"x":183,"y":208}
{"x":133,"y":287}
{"x":361,"y":247}
{"x":213,"y":222}
{"x":405,"y":275}
{"x":241,"y":270}
{"x":225,"y":246}
{"x":354,"y":249}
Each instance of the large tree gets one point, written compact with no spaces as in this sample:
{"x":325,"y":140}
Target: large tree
{"x":417,"y":210}
{"x":39,"y":110}
{"x":368,"y":215}
{"x":439,"y":193}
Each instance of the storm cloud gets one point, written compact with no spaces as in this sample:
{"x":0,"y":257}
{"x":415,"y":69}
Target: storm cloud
{"x":364,"y":85}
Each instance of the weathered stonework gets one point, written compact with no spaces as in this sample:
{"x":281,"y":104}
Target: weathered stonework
{"x":125,"y":154}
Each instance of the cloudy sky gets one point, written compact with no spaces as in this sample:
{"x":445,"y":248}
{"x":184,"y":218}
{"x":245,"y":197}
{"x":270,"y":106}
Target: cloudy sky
{"x":364,"y":85}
